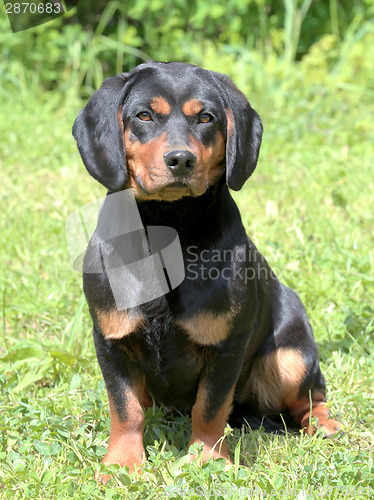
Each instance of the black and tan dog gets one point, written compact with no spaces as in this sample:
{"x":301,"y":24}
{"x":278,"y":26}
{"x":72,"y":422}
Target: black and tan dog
{"x":236,"y":346}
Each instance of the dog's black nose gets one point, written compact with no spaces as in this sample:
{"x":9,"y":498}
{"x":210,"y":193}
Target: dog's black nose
{"x":180,"y":162}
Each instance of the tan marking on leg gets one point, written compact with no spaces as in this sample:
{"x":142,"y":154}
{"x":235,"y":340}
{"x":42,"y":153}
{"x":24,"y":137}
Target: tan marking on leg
{"x":275,"y":380}
{"x":207,"y":328}
{"x":274,"y":383}
{"x":302,"y":411}
{"x":210,"y":432}
{"x":192,"y":107}
{"x":117,"y":324}
{"x":160,"y":106}
{"x":126,"y":437}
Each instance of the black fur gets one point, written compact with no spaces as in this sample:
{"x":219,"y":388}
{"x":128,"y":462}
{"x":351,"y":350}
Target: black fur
{"x":266,"y":314}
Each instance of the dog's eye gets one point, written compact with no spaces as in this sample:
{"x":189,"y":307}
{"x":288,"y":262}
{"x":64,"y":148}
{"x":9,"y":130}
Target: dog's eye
{"x":205,"y":118}
{"x":144,"y":116}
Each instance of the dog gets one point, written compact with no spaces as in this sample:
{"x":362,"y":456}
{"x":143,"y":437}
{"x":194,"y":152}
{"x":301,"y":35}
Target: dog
{"x":234,"y":347}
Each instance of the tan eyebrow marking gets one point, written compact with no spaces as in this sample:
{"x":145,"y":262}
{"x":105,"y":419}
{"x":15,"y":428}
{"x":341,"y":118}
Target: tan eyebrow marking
{"x":192,"y":107}
{"x":160,"y":106}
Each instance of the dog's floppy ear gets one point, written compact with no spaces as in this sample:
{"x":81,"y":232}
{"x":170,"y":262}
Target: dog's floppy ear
{"x":99,"y":133}
{"x":244,"y":134}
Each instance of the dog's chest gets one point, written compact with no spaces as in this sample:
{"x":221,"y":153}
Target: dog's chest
{"x":173,"y":362}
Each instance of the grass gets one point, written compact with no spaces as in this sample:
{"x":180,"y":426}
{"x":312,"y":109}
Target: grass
{"x":308,"y":208}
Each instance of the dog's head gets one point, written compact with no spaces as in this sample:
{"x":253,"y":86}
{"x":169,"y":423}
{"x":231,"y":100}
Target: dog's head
{"x":168,"y":130}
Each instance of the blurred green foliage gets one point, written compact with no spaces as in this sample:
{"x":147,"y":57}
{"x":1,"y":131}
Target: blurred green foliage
{"x":101,"y":38}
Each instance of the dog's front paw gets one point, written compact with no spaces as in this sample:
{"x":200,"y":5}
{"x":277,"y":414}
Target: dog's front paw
{"x":322,"y":413}
{"x":216,"y":449}
{"x":329,"y":426}
{"x":132,"y":455}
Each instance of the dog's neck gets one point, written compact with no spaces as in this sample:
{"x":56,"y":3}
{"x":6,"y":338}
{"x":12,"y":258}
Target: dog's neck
{"x":188,"y":212}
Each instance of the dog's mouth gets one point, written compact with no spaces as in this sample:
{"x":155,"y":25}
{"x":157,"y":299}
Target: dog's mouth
{"x":177,"y":185}
{"x":169,"y":191}
{"x":174,"y":191}
{"x":153,"y":184}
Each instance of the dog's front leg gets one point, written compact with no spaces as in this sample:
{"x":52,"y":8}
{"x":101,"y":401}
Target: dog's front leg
{"x":126,"y":430}
{"x":126,"y":393}
{"x":214,"y":399}
{"x":209,"y":418}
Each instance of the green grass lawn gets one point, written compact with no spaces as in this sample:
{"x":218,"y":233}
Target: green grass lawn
{"x":309,"y":209}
